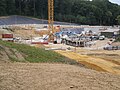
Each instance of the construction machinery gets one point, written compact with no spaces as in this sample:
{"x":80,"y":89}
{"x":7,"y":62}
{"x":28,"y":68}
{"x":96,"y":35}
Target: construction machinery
{"x":51,"y":19}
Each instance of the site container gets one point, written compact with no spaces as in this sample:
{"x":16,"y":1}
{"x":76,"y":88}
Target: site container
{"x":7,"y":35}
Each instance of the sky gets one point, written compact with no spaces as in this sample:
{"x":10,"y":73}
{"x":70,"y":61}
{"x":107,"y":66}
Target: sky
{"x":115,"y":1}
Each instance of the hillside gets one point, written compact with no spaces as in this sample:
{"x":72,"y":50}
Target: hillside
{"x":24,"y":67}
{"x":19,"y":69}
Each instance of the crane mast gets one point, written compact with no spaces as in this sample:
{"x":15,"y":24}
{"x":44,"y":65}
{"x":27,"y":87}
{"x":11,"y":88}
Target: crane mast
{"x":51,"y":19}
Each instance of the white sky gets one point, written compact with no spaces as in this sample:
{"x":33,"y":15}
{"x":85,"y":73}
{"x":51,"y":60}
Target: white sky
{"x":115,"y":1}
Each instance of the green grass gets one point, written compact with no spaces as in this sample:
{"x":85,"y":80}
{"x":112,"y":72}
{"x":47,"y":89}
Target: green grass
{"x":33,"y":54}
{"x":117,"y":39}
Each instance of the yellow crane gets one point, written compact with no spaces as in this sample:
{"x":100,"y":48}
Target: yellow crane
{"x":51,"y":19}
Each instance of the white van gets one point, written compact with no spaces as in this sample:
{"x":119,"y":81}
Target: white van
{"x":102,"y":37}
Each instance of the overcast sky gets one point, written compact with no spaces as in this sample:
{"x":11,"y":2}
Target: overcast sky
{"x":115,"y":1}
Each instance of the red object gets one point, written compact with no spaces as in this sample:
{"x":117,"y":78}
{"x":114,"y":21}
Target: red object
{"x":7,"y":35}
{"x":39,"y":43}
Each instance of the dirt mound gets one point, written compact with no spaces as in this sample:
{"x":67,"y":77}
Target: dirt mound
{"x":29,"y":76}
{"x":8,"y":54}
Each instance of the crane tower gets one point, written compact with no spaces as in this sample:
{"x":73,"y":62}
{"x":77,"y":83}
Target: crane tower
{"x":51,"y":19}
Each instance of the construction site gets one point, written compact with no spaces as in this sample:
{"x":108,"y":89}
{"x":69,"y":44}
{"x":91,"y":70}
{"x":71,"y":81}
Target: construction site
{"x":38,"y":54}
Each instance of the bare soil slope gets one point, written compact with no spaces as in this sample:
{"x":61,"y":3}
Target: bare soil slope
{"x":94,"y":63}
{"x":26,"y":76}
{"x":100,"y":60}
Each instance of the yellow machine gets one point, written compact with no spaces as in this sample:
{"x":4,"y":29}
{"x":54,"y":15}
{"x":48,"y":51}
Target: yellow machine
{"x":51,"y":19}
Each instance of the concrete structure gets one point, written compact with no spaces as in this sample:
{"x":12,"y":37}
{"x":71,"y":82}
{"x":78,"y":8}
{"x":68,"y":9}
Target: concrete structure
{"x":110,"y":32}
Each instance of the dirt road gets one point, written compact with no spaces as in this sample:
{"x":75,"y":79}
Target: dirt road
{"x":26,"y":76}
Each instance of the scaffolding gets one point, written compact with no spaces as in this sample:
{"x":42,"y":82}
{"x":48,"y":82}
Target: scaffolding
{"x":51,"y":19}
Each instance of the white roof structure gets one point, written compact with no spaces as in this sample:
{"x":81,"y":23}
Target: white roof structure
{"x":95,"y":30}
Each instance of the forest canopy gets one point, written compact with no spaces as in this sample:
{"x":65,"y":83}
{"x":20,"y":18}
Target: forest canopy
{"x":95,"y":12}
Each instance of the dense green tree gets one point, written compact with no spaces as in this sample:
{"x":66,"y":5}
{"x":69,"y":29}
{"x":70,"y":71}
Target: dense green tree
{"x":10,"y":7}
{"x":95,"y":12}
{"x":2,"y":7}
{"x":118,"y":19}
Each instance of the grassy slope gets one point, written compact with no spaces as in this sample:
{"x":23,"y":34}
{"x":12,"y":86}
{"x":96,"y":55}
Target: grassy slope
{"x":33,"y":54}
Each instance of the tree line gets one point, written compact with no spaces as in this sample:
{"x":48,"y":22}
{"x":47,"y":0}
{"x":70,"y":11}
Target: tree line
{"x":95,"y":12}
